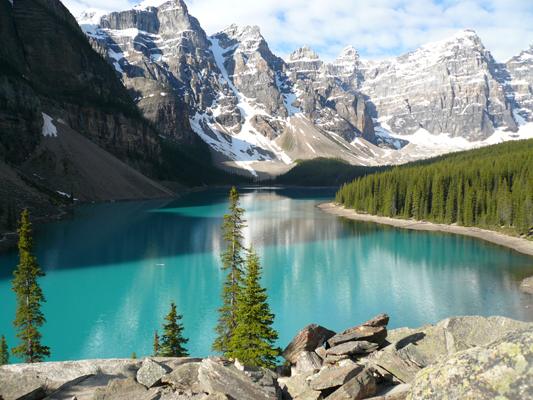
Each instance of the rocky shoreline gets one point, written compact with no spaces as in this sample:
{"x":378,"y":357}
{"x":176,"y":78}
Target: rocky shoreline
{"x":521,"y":245}
{"x":460,"y":357}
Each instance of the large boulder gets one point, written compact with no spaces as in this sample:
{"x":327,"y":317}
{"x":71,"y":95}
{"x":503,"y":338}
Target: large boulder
{"x":361,"y":386}
{"x":374,"y":330}
{"x":150,"y":373}
{"x":215,"y":378}
{"x":308,"y":339}
{"x":502,"y":369}
{"x":184,"y":378}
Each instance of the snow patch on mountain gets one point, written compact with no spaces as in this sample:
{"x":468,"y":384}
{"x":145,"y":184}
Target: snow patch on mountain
{"x":48,"y":127}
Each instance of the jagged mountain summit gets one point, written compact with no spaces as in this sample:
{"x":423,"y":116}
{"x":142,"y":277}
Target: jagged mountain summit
{"x":260,"y":113}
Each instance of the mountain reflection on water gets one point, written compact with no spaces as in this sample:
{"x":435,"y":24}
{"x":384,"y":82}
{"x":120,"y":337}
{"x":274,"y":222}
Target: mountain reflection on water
{"x":113,"y":269}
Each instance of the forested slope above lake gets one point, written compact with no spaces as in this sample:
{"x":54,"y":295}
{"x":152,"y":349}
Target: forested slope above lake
{"x":491,"y":188}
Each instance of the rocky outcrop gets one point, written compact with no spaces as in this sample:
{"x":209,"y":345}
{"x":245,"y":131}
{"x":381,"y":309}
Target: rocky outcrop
{"x":460,"y":357}
{"x":150,"y":378}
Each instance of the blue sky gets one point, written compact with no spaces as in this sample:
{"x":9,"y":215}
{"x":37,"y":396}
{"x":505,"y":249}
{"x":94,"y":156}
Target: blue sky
{"x":377,"y":29}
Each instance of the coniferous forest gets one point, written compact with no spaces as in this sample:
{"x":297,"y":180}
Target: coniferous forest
{"x":490,"y":188}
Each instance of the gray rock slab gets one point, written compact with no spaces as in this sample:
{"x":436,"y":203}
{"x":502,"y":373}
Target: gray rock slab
{"x":502,"y":369}
{"x":17,"y":380}
{"x":359,"y":387}
{"x":310,"y":395}
{"x":184,"y":378}
{"x":122,"y":389}
{"x":295,"y":386}
{"x":308,"y":361}
{"x":333,"y":377}
{"x":215,"y":378}
{"x":150,"y":373}
{"x":397,"y":392}
{"x":349,"y":348}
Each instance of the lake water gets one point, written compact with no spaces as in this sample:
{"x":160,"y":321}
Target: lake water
{"x":107,"y":294}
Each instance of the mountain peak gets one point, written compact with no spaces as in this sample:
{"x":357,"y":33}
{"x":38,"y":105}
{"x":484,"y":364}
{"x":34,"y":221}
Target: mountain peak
{"x":237,"y":32}
{"x":302,"y":54}
{"x":145,"y":4}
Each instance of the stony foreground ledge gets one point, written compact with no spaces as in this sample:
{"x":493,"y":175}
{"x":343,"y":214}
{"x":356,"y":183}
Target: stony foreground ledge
{"x":460,"y":357}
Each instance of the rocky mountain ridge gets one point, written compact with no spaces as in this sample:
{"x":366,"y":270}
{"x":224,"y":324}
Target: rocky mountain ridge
{"x":259,"y":112}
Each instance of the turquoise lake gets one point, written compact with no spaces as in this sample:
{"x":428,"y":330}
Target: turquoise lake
{"x":107,"y":293}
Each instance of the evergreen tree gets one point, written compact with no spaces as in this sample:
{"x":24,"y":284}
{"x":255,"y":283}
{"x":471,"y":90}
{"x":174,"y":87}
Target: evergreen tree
{"x":156,"y":344}
{"x":172,"y":340}
{"x":28,"y":316}
{"x":4,"y":351}
{"x":232,"y":262}
{"x":253,"y":338}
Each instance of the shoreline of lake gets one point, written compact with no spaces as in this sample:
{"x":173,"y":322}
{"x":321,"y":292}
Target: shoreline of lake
{"x":523,"y":246}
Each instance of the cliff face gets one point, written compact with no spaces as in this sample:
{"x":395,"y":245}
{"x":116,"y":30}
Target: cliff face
{"x":49,"y":66}
{"x":443,"y":87}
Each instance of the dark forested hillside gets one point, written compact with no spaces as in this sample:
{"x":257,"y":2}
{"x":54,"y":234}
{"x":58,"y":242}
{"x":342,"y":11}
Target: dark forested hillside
{"x":490,"y":187}
{"x":322,"y":171}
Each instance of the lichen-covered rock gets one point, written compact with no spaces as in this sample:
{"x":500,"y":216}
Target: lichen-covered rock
{"x":150,"y":373}
{"x":502,"y":369}
{"x":308,"y":339}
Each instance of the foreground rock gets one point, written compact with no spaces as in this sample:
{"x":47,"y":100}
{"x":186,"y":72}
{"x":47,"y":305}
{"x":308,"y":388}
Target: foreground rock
{"x":501,"y":369}
{"x":460,"y":357}
{"x":150,"y":378}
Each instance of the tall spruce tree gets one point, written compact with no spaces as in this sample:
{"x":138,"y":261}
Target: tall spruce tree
{"x":4,"y":351}
{"x":232,"y":261}
{"x":172,"y":340}
{"x":28,"y":316}
{"x":253,"y":338}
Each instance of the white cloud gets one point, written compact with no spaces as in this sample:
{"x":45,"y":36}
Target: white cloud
{"x":377,"y":29}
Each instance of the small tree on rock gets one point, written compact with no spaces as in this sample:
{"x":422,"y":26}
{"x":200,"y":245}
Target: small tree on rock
{"x":4,"y":351}
{"x":156,"y":344}
{"x":232,"y":261}
{"x":28,"y":316}
{"x":253,"y":338}
{"x":172,"y":340}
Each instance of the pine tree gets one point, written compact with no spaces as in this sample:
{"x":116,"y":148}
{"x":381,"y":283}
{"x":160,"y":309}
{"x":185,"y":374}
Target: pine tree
{"x":253,"y":338}
{"x":172,"y":340}
{"x":232,"y":262}
{"x":156,"y":344}
{"x":4,"y":351}
{"x":28,"y":316}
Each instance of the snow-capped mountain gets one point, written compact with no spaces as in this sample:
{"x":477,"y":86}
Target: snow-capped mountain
{"x":260,"y":113}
